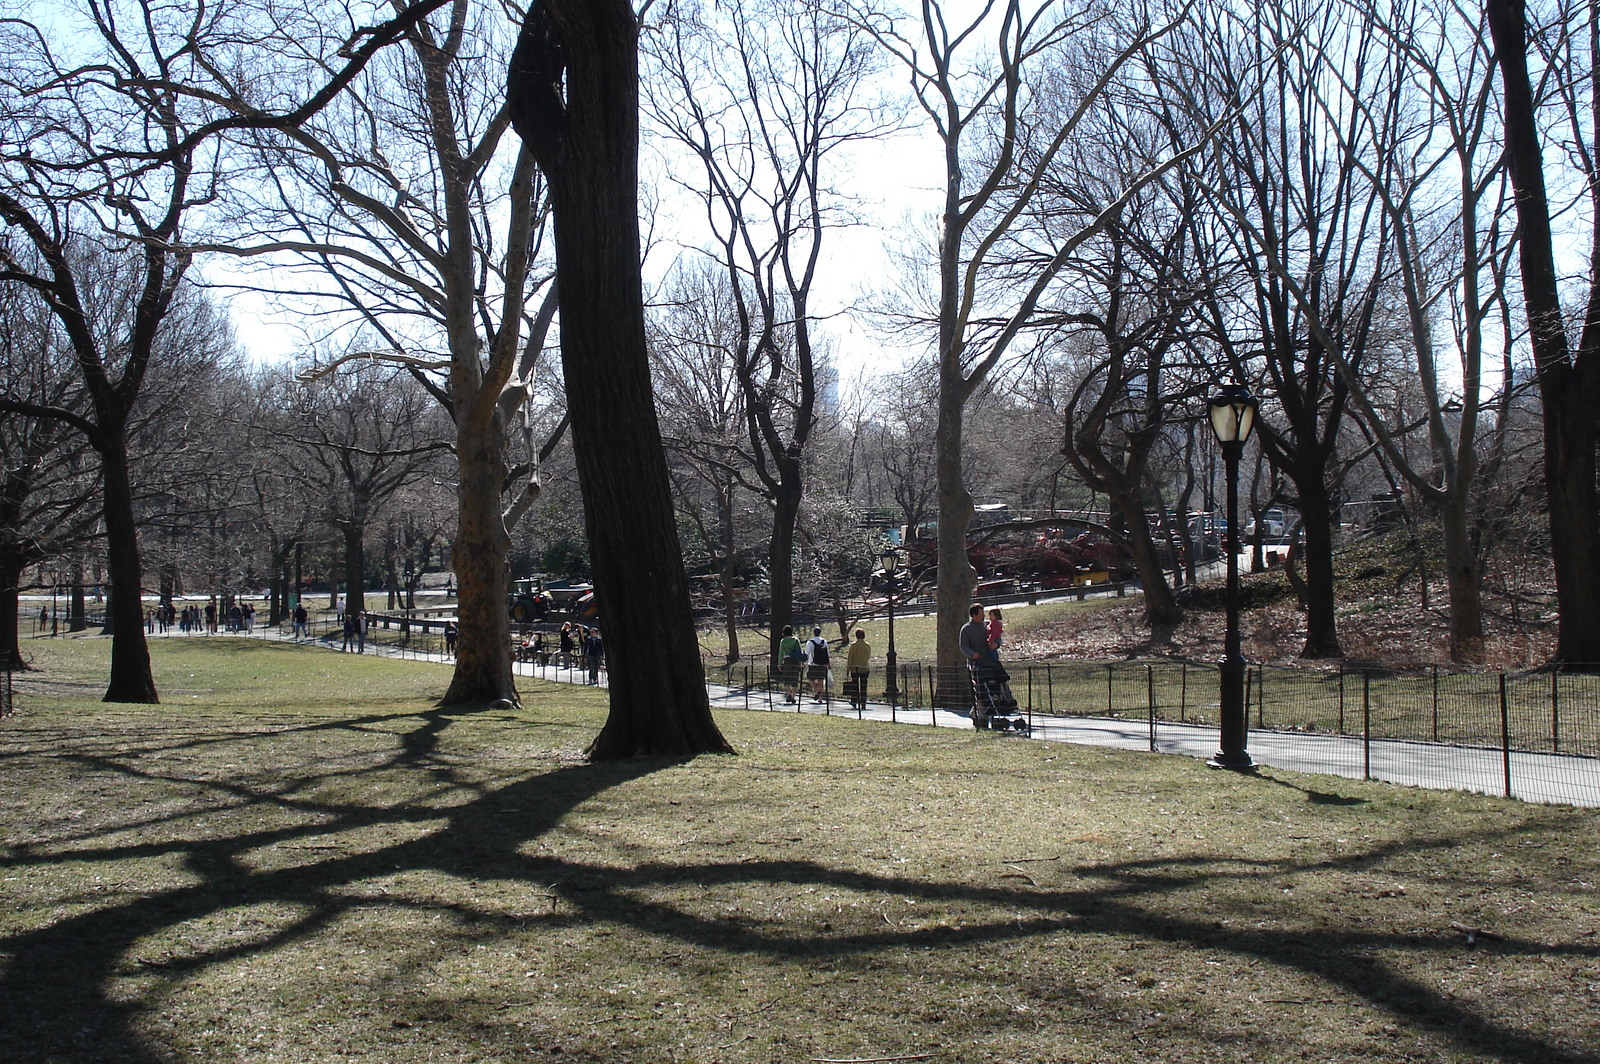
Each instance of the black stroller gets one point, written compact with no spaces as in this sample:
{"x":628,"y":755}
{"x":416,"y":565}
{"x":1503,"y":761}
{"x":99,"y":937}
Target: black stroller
{"x":993,"y":706}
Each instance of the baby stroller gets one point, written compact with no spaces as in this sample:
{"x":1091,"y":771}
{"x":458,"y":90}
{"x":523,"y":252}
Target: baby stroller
{"x":993,"y":706}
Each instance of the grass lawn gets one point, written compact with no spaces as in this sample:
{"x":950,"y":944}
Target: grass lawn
{"x":298,"y":858}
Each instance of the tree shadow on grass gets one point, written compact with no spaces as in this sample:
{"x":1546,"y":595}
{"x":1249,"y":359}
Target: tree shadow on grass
{"x":58,"y":985}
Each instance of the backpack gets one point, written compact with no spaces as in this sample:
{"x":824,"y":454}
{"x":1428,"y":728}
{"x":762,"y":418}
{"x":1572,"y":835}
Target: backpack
{"x":819,"y":651}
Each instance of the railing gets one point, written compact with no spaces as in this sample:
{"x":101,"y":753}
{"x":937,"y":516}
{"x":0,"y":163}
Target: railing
{"x":1522,"y":713}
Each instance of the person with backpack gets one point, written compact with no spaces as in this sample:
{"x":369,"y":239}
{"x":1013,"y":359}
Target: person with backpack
{"x":817,"y":665}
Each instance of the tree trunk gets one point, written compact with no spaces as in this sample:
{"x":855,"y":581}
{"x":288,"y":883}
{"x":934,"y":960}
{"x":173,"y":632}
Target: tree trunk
{"x":483,"y":671}
{"x":1569,"y":387}
{"x":131,"y":679}
{"x":957,"y":579}
{"x":730,"y":604}
{"x":780,"y":566}
{"x":1464,"y":579}
{"x":355,"y":566}
{"x":587,"y":146}
{"x":11,"y":566}
{"x":1316,"y":516}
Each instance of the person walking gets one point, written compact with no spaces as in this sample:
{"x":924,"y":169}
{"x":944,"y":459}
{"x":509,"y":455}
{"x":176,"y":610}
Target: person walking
{"x":349,"y":632}
{"x":858,"y":666}
{"x":790,"y":658}
{"x":451,"y":632}
{"x":594,"y":651}
{"x":302,"y":625}
{"x":361,"y":631}
{"x":567,"y":643}
{"x":817,"y":665}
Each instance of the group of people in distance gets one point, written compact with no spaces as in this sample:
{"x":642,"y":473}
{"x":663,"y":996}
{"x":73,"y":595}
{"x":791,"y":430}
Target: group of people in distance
{"x":980,"y":646}
{"x":571,"y":640}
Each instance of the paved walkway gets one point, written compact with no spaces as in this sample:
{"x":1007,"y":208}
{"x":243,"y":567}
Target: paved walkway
{"x":1551,"y":778}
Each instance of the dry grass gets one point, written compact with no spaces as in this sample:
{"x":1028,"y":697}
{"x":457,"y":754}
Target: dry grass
{"x":317,"y":865}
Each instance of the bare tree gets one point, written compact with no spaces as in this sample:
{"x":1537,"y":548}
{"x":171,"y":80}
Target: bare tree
{"x":1314,"y":246}
{"x":766,"y":95}
{"x":49,"y":494}
{"x":702,"y":410}
{"x":361,"y":436}
{"x":1568,"y":372}
{"x":414,"y":218}
{"x":995,"y":160}
{"x":573,"y":93}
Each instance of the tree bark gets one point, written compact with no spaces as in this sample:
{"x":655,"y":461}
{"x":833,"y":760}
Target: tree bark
{"x":1569,"y":382}
{"x":957,"y":579}
{"x":586,"y":142}
{"x":131,"y":679}
{"x":11,"y":566}
{"x":483,"y":655}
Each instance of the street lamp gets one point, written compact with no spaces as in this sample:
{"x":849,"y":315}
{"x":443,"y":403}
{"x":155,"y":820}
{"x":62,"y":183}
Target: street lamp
{"x":1233,"y":416}
{"x":891,"y":567}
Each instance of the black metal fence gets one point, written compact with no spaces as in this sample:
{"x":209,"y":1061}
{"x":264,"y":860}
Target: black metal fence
{"x":1508,"y":726}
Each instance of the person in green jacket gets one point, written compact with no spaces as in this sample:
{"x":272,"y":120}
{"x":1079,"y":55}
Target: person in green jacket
{"x":790,"y":657}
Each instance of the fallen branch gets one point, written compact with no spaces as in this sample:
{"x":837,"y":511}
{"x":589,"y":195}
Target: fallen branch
{"x":868,"y":1060}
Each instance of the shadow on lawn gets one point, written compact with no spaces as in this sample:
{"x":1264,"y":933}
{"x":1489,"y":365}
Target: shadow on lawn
{"x":58,"y":994}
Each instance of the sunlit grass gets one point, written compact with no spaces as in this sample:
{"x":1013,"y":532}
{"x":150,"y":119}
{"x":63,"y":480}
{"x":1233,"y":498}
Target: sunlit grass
{"x":298,"y":857}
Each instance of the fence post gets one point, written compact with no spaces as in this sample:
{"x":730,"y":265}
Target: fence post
{"x":1435,"y":703}
{"x":1366,"y":725}
{"x":1505,"y":735}
{"x":1555,"y":711}
{"x":933,"y":708}
{"x":1150,"y":700}
{"x":1109,"y":700}
{"x":1183,"y":691}
{"x":1261,"y":696}
{"x":1341,"y":698}
{"x":1050,"y":687}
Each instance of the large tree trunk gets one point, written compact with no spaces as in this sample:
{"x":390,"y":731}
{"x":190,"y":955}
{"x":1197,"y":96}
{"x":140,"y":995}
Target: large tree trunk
{"x":483,"y":654}
{"x":131,"y":679}
{"x":780,"y":566}
{"x":957,"y":579}
{"x":587,"y":145}
{"x":1569,"y":385}
{"x":11,"y":566}
{"x":1316,"y":514}
{"x":1464,"y":578}
{"x":355,"y":565}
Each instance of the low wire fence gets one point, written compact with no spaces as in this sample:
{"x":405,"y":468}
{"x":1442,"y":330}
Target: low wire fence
{"x":1529,"y":734}
{"x":1544,"y":712}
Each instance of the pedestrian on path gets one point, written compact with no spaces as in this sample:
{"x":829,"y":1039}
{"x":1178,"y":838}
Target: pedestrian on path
{"x":858,"y":666}
{"x":790,"y":658}
{"x":594,"y":651}
{"x":817,"y":665}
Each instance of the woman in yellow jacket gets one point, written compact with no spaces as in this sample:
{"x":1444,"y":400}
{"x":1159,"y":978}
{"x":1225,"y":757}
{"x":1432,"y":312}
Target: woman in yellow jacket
{"x":858,"y":665}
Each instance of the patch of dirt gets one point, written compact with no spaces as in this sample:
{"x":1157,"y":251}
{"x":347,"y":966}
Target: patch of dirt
{"x":1383,"y":623}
